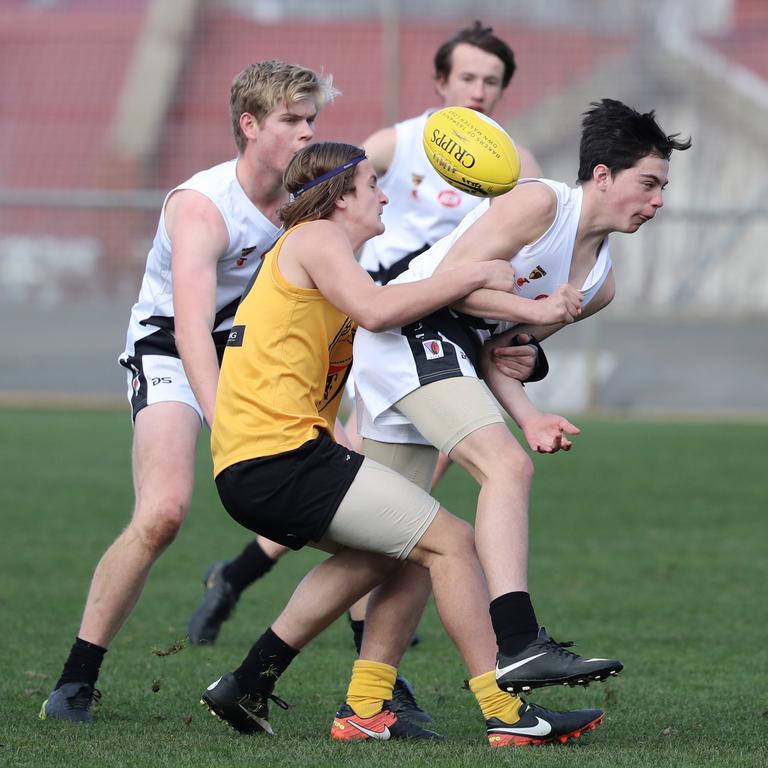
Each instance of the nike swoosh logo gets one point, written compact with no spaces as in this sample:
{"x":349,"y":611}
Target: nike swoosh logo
{"x":381,"y":735}
{"x":542,"y":728}
{"x":503,"y":670}
{"x":588,"y":661}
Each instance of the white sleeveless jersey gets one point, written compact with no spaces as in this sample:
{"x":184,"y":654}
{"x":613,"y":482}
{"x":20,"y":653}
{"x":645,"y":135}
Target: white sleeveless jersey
{"x":422,"y":207}
{"x":385,"y":368}
{"x":151,"y":327}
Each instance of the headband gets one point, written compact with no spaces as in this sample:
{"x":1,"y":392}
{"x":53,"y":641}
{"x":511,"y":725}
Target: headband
{"x":329,"y":175}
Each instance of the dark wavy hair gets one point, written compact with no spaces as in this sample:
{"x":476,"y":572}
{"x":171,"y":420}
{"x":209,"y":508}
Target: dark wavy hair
{"x":617,"y":136}
{"x":484,"y":39}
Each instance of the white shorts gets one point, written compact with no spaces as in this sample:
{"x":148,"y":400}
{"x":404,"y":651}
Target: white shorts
{"x":157,"y":379}
{"x":389,"y":365}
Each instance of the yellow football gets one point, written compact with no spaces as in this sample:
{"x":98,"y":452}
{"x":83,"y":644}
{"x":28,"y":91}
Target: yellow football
{"x":471,"y":152}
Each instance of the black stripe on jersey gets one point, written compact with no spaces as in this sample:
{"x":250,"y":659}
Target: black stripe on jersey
{"x":162,"y":342}
{"x":168,"y":324}
{"x":452,"y":326}
{"x":435,"y":329}
{"x":383,"y":275}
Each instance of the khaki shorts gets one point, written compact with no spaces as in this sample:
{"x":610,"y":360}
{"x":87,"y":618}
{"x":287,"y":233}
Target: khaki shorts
{"x":446,"y":411}
{"x":381,"y":512}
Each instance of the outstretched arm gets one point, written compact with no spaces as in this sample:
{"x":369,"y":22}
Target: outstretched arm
{"x":544,"y":432}
{"x":512,"y":221}
{"x":320,"y":253}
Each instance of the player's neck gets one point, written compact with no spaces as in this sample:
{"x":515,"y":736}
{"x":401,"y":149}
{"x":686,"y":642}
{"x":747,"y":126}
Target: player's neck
{"x":263,"y":187}
{"x":594,"y":223}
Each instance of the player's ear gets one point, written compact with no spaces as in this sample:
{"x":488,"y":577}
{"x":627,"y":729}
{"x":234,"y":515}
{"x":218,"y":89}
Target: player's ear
{"x":601,"y":175}
{"x":440,"y":83}
{"x":249,"y":126}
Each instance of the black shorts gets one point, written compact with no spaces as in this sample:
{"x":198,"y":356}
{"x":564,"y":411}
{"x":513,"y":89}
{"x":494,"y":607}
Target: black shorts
{"x":290,"y":498}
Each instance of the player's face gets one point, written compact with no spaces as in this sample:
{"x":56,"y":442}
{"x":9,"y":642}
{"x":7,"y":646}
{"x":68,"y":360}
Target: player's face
{"x":637,"y":193}
{"x":474,"y":81}
{"x":365,"y":207}
{"x":284,"y":131}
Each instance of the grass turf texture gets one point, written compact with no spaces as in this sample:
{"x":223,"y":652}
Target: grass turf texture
{"x":647,"y":542}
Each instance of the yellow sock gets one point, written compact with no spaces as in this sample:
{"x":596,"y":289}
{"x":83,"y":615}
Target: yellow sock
{"x":371,"y":685}
{"x":492,"y":700}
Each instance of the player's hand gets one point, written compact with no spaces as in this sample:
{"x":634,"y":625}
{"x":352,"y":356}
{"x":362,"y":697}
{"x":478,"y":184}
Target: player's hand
{"x":549,"y":433}
{"x":516,"y":362}
{"x":563,"y":306}
{"x":498,"y":274}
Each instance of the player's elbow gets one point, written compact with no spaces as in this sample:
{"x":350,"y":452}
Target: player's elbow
{"x":377,"y":321}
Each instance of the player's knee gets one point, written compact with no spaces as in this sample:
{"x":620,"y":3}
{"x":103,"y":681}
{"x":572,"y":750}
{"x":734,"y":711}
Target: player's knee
{"x":461,"y":537}
{"x":511,"y":465}
{"x":158,"y":530}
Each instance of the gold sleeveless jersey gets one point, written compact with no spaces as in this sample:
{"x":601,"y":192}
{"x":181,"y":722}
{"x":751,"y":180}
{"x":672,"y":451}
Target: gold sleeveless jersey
{"x":284,"y":368}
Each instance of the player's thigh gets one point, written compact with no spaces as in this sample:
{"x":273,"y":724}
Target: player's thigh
{"x":446,"y":411}
{"x":414,"y":462}
{"x":381,"y":512}
{"x":164,"y":443}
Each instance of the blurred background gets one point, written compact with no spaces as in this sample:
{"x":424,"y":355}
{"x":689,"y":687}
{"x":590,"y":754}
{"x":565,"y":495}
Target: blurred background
{"x":107,"y":104}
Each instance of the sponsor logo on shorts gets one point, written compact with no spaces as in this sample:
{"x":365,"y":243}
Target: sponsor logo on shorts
{"x":161,"y":380}
{"x":433,"y":349}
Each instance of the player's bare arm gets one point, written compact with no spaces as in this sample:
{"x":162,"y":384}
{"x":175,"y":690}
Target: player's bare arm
{"x":507,"y":358}
{"x":380,"y":148}
{"x":320,"y":255}
{"x":199,"y":237}
{"x":515,"y":219}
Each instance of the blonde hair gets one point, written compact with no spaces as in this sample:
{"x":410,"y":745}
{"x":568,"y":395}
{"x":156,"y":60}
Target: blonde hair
{"x":308,"y":164}
{"x":263,"y":86}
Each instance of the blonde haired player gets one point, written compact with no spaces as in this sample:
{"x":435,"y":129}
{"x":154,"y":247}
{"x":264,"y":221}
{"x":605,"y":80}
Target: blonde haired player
{"x":212,"y":230}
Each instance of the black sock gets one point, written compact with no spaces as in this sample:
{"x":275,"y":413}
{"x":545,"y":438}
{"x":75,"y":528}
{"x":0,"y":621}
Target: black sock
{"x":82,"y":664}
{"x":514,"y":622}
{"x":357,"y":631}
{"x":251,"y":564}
{"x":267,"y":660}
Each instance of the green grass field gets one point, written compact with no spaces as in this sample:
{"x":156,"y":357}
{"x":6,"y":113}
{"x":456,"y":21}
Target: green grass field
{"x":648,"y":542}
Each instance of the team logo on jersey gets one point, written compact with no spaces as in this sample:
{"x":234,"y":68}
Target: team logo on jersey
{"x":433,"y":349}
{"x":244,"y":254}
{"x":416,"y":179}
{"x":535,"y":274}
{"x":339,"y":362}
{"x":449,"y":198}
